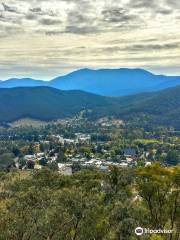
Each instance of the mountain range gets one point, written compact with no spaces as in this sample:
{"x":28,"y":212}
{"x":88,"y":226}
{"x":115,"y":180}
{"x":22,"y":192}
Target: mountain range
{"x":46,"y":103}
{"x":106,"y":82}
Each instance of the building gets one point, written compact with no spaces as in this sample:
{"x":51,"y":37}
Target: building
{"x":129,"y":152}
{"x":65,"y":169}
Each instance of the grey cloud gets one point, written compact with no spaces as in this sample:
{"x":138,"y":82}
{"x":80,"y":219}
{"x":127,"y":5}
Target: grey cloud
{"x":85,"y":5}
{"x":83,"y":12}
{"x":165,"y":11}
{"x":131,"y":58}
{"x":3,"y":35}
{"x":122,"y":41}
{"x":52,"y":33}
{"x":118,"y":15}
{"x":2,"y":18}
{"x":31,"y":16}
{"x":80,"y":30}
{"x":13,"y":29}
{"x":77,"y":18}
{"x":73,"y":30}
{"x":36,"y":10}
{"x":173,"y":3}
{"x":10,"y":31}
{"x":143,"y":3}
{"x":164,"y":7}
{"x":138,"y":47}
{"x":40,"y":11}
{"x":150,"y":40}
{"x":178,"y":17}
{"x":149,"y":47}
{"x":48,"y":21}
{"x":82,"y":19}
{"x":110,"y":49}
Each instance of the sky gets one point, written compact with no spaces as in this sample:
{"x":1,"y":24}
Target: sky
{"x":43,"y":39}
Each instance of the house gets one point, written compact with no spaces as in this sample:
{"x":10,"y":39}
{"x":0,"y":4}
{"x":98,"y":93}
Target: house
{"x":129,"y":152}
{"x":39,"y":155}
{"x":69,"y":141}
{"x":124,"y":165}
{"x":65,"y":169}
{"x":29,"y":157}
{"x":83,"y":138}
{"x":148,"y":164}
{"x":129,"y":159}
{"x":104,"y":168}
{"x":52,"y":159}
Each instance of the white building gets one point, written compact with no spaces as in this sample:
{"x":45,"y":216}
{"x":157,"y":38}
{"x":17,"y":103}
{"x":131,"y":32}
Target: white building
{"x":65,"y":169}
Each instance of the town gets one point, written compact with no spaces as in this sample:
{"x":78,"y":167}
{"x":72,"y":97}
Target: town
{"x":82,"y":179}
{"x":72,"y":145}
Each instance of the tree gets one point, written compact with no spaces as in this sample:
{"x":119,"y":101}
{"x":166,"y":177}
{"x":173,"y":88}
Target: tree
{"x":117,"y":184}
{"x":61,"y":157}
{"x":173,"y":158}
{"x":42,"y":147}
{"x":42,"y":207}
{"x":86,"y":151}
{"x":6,"y":160}
{"x":16,"y":151}
{"x":159,"y":190}
{"x":53,"y":166}
{"x":31,"y":149}
{"x":124,"y":217}
{"x":30,"y":164}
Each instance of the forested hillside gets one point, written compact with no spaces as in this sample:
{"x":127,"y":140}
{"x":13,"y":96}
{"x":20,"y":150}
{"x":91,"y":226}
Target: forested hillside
{"x":159,"y":108}
{"x":44,"y":103}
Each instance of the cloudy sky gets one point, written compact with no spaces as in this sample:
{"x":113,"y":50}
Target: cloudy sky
{"x":46,"y":38}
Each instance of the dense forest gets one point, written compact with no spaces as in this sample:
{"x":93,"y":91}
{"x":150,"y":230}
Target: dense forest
{"x":47,"y":104}
{"x":89,"y":204}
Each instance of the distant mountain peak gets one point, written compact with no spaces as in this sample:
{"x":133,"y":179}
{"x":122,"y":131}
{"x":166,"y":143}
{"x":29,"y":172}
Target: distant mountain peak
{"x":107,"y":82}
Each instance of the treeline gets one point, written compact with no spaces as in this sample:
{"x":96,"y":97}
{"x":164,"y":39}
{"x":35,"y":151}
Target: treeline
{"x":90,"y":205}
